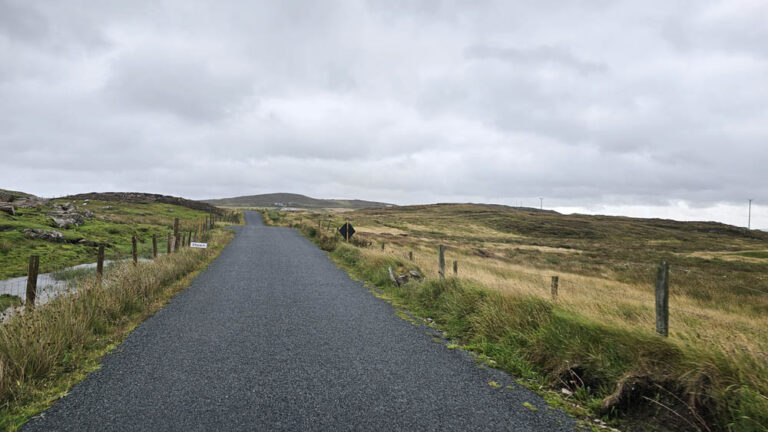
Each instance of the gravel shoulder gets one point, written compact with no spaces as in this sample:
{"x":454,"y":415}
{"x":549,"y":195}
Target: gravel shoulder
{"x":273,"y":336}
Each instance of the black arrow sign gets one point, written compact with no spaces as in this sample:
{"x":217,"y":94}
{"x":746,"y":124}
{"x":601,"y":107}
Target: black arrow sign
{"x":346,"y":230}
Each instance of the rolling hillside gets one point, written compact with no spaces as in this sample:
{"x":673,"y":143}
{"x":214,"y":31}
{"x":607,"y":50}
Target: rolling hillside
{"x":292,"y":200}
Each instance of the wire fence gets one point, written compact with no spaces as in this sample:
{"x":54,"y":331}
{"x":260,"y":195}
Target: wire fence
{"x":48,"y":278}
{"x":571,"y":287}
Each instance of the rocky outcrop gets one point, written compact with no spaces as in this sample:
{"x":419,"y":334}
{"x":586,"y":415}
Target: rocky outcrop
{"x":45,"y":235}
{"x":30,"y":202}
{"x":145,"y":198}
{"x":66,"y":221}
{"x":403,"y":279}
{"x":7,"y":208}
{"x":66,"y":215}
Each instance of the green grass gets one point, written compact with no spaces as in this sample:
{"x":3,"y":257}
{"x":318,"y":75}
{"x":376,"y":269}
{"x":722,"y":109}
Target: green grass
{"x":754,"y":254}
{"x":8,"y":300}
{"x":113,"y":223}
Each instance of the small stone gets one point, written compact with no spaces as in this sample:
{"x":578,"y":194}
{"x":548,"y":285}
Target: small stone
{"x":565,"y":391}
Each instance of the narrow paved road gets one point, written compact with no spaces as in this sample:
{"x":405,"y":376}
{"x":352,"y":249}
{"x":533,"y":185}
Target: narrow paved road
{"x":273,"y":336}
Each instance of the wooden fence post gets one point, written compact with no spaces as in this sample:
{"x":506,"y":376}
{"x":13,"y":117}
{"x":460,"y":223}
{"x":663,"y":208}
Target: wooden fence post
{"x":175,"y":227}
{"x":662,"y":299}
{"x":441,"y":260}
{"x":189,"y":239}
{"x":168,"y":244}
{"x":382,"y":245}
{"x":134,"y":251}
{"x":34,"y":266}
{"x":154,"y":245}
{"x":410,"y":255}
{"x":100,"y":264}
{"x":555,"y":282}
{"x":455,"y":268}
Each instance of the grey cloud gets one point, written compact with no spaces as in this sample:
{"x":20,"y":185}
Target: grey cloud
{"x":535,"y":56}
{"x":173,"y":82}
{"x":584,"y":103}
{"x":19,"y":22}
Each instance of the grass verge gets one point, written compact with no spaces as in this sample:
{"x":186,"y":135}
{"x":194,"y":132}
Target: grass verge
{"x":630,"y":378}
{"x":45,"y":351}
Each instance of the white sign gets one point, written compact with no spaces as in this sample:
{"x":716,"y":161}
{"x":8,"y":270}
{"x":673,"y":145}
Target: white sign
{"x":199,"y":245}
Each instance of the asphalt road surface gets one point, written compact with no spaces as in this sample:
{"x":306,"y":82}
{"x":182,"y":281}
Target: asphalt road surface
{"x":273,"y":336}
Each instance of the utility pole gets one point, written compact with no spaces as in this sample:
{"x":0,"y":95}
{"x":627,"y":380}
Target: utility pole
{"x":541,"y":203}
{"x":749,"y":218}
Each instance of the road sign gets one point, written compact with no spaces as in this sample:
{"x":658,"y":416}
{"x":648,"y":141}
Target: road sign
{"x":346,"y":230}
{"x":199,"y":245}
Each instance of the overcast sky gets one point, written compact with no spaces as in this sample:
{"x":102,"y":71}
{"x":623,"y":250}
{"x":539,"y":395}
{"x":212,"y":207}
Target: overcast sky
{"x":648,"y":108}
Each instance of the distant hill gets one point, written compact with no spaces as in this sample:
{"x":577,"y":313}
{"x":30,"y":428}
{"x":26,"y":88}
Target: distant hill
{"x":292,"y":200}
{"x":144,"y":198}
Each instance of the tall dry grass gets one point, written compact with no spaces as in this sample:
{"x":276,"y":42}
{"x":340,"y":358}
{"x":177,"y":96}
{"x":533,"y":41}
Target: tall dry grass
{"x":41,"y":344}
{"x":712,"y":371}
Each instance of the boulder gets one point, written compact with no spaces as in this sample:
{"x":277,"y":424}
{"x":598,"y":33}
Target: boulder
{"x":403,"y":279}
{"x":41,"y":234}
{"x":66,"y":215}
{"x":8,"y":208}
{"x":66,"y":221}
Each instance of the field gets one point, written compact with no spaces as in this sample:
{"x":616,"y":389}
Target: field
{"x":113,"y":223}
{"x":597,"y":340}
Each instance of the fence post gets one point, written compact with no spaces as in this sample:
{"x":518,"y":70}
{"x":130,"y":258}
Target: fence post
{"x":168,"y":244}
{"x":34,"y":266}
{"x":441,"y":260}
{"x":410,"y":255}
{"x":382,"y":245}
{"x":662,"y":299}
{"x":455,"y":268}
{"x":189,"y":239}
{"x":176,"y":239}
{"x":555,"y":282}
{"x":100,"y":264}
{"x":134,"y":250}
{"x":154,"y":245}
